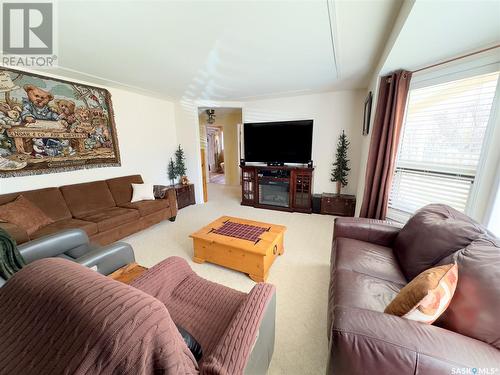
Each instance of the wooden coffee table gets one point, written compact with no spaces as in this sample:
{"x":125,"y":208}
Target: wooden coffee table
{"x":243,"y":245}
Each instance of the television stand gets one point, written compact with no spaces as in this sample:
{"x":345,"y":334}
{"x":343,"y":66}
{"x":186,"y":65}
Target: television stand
{"x":277,"y":187}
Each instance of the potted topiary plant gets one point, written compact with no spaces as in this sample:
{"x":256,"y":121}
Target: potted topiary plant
{"x":341,"y":168}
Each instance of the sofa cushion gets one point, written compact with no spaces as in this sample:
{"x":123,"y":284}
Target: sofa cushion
{"x":148,"y":207}
{"x":427,"y":296}
{"x":433,"y":233}
{"x":87,"y":198}
{"x":369,"y":259}
{"x":23,"y":213}
{"x":112,"y":217}
{"x":121,"y":188}
{"x":358,"y":281}
{"x":368,"y":342}
{"x":475,"y":306}
{"x":362,"y":291}
{"x":89,"y":227}
{"x":49,"y":200}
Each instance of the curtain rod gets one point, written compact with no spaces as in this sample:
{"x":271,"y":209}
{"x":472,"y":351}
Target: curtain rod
{"x":457,"y":58}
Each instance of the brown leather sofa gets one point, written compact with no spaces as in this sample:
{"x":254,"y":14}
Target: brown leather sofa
{"x":372,"y":260}
{"x":101,"y":208}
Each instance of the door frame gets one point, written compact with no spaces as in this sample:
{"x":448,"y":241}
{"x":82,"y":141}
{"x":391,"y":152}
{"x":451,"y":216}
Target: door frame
{"x":210,"y":104}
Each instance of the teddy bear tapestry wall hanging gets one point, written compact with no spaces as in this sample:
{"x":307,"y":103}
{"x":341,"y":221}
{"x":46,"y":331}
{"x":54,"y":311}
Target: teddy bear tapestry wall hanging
{"x":51,"y":125}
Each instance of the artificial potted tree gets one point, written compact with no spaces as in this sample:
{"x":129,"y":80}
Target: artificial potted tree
{"x":180,"y":165}
{"x":172,"y":173}
{"x":341,"y":167}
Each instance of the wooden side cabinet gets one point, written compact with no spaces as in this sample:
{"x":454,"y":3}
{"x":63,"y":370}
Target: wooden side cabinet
{"x":302,"y":190}
{"x":248,"y":186}
{"x":339,"y":205}
{"x":185,"y":195}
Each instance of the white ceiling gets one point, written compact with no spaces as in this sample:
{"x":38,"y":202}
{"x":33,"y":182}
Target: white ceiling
{"x":223,"y":50}
{"x":438,"y":30}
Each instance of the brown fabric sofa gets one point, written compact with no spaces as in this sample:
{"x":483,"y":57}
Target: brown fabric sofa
{"x":372,"y":260}
{"x":101,"y":208}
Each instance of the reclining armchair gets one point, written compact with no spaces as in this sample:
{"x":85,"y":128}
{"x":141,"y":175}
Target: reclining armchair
{"x":74,"y":245}
{"x":80,"y":322}
{"x":235,"y":330}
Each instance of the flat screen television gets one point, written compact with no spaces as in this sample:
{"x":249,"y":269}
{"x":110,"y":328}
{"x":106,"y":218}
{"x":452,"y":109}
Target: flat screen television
{"x":278,"y":142}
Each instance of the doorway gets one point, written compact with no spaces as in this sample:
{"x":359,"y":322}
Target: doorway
{"x":220,"y":130}
{"x":215,"y":154}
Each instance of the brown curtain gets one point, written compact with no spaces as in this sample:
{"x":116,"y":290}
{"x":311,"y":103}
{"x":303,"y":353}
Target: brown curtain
{"x":391,"y":104}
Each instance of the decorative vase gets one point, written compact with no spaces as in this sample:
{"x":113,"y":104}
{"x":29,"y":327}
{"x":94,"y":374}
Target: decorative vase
{"x":184,"y":180}
{"x":339,"y":186}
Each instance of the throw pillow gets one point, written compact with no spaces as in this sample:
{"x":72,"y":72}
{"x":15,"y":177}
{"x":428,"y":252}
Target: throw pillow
{"x":142,"y":192}
{"x":24,"y":214}
{"x":427,"y":296}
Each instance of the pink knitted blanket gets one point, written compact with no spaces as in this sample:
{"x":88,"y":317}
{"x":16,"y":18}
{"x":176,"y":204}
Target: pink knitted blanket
{"x":57,"y":317}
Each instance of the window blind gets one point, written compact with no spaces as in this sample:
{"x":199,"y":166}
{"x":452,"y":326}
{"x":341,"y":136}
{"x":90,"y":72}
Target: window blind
{"x":441,"y":144}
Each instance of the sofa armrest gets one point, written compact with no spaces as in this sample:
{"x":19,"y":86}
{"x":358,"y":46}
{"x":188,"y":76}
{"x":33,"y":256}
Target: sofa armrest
{"x":364,"y":341}
{"x":167,"y":192}
{"x":162,"y":279}
{"x":233,"y":351}
{"x":374,"y":231}
{"x":172,"y":198}
{"x":17,"y":233}
{"x":53,"y":244}
{"x":108,"y":258}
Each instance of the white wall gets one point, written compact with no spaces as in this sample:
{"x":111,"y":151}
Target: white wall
{"x":146,"y":137}
{"x":331,"y":112}
{"x":188,"y":135}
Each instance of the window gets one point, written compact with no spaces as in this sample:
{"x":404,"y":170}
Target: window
{"x":494,"y":222}
{"x":441,"y":144}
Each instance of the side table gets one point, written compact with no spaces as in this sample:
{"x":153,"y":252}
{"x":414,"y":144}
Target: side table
{"x":185,"y":195}
{"x":339,"y":205}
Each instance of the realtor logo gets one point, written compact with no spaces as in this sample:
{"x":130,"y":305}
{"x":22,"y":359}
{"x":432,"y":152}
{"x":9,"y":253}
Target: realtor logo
{"x":28,"y":34}
{"x":27,"y":28}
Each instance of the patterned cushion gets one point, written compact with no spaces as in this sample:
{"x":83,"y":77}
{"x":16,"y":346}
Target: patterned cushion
{"x":427,"y":296}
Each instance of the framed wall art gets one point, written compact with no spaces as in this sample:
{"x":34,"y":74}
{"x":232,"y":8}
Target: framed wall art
{"x":367,"y":114}
{"x":51,"y":125}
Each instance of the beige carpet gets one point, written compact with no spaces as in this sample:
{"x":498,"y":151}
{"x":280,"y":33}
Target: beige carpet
{"x":301,"y":275}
